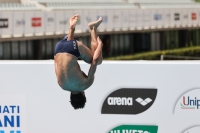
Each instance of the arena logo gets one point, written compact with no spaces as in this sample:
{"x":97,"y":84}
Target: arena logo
{"x":188,"y":102}
{"x":129,"y":101}
{"x":36,"y":22}
{"x":135,"y":129}
{"x":195,"y":129}
{"x":10,"y":119}
{"x":4,"y":23}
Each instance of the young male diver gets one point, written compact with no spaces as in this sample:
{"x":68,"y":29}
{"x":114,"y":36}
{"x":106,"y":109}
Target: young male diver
{"x":68,"y":72}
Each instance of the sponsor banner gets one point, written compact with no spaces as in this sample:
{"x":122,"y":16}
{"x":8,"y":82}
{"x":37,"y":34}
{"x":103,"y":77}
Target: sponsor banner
{"x":194,"y":16}
{"x":147,"y":17}
{"x":104,"y":15}
{"x":65,"y":21}
{"x":29,"y":22}
{"x":166,"y":17}
{"x":50,"y":22}
{"x":125,"y":19}
{"x":18,"y":22}
{"x":12,"y":113}
{"x":154,"y":17}
{"x":79,"y":24}
{"x":60,"y":21}
{"x":117,"y":19}
{"x":6,"y":20}
{"x":184,"y":17}
{"x":135,"y":129}
{"x":88,"y":16}
{"x":188,"y":103}
{"x":129,"y":101}
{"x":177,"y":17}
{"x":110,"y":24}
{"x":195,"y":129}
{"x":139,"y":16}
{"x":38,"y":22}
{"x":133,"y":17}
{"x":159,"y":17}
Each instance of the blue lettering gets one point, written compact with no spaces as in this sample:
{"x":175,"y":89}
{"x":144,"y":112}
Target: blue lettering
{"x":2,"y":131}
{"x":15,"y":132}
{"x":8,"y":121}
{"x":18,"y":121}
{"x":5,"y":109}
{"x":1,"y":124}
{"x":13,"y":108}
{"x":198,"y":104}
{"x":18,"y":109}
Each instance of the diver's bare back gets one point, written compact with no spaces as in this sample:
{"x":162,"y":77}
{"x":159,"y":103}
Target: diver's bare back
{"x":68,"y":72}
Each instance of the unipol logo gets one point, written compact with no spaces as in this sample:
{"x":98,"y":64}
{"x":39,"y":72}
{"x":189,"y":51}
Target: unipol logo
{"x":129,"y":101}
{"x":135,"y":129}
{"x":189,"y":102}
{"x":195,"y":129}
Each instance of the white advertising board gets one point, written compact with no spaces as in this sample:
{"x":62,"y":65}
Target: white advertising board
{"x":156,"y":96}
{"x":31,"y":22}
{"x":79,"y":24}
{"x":18,"y":23}
{"x":104,"y":15}
{"x":60,"y":22}
{"x":166,"y":18}
{"x":133,"y":17}
{"x":7,"y":23}
{"x":110,"y":24}
{"x":50,"y":22}
{"x":88,"y":16}
{"x":125,"y":20}
{"x":38,"y":22}
{"x":146,"y":18}
{"x":117,"y":19}
{"x":184,"y":17}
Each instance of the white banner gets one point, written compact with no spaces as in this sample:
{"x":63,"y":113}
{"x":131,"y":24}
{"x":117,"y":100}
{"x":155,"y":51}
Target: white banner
{"x":110,"y":24}
{"x":194,"y":17}
{"x":125,"y":20}
{"x":6,"y":21}
{"x":103,"y":14}
{"x":79,"y":24}
{"x":131,"y":94}
{"x":146,"y":18}
{"x":30,"y":23}
{"x":18,"y":23}
{"x":88,"y":16}
{"x":65,"y":22}
{"x":184,"y":17}
{"x":177,"y":17}
{"x":154,"y":18}
{"x":133,"y":17}
{"x":117,"y":19}
{"x":140,"y":18}
{"x":166,"y":18}
{"x":173,"y":17}
{"x":60,"y":21}
{"x":38,"y":22}
{"x":50,"y":22}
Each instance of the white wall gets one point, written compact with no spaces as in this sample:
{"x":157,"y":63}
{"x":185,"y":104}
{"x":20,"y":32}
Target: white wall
{"x":45,"y":107}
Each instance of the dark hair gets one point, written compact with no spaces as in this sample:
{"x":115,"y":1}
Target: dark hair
{"x":78,"y":100}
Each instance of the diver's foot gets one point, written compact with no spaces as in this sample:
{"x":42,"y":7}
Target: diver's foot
{"x":95,"y":24}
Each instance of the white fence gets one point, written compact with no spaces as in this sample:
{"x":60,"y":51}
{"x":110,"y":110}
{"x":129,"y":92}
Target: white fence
{"x":30,"y":93}
{"x":39,"y":23}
